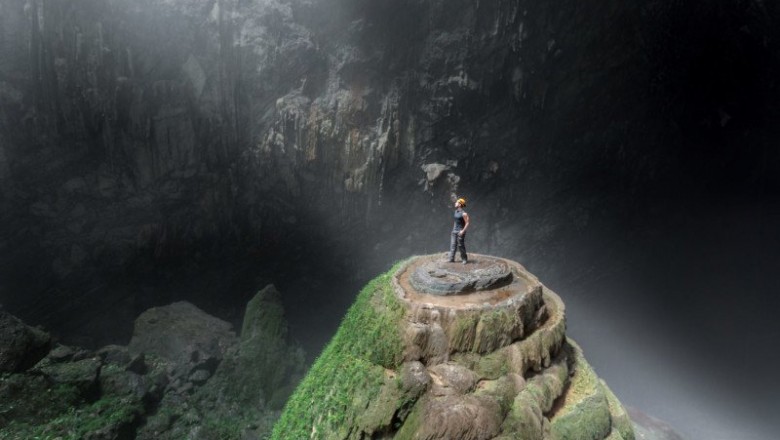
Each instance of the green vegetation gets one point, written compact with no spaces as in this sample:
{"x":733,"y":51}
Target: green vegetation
{"x":241,"y":399}
{"x":111,"y":414}
{"x":350,"y":372}
{"x":412,"y":424}
{"x":584,"y":382}
{"x":493,"y":365}
{"x":526,"y":417}
{"x":236,"y":426}
{"x":584,"y":410}
{"x":265,"y":363}
{"x":621,"y":422}
{"x":31,"y":400}
{"x":502,"y":390}
{"x":463,"y":332}
{"x":494,"y":330}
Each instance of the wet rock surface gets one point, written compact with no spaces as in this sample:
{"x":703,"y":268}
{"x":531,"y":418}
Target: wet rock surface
{"x":438,"y":276}
{"x":133,"y":137}
{"x":498,"y":366}
{"x":139,"y":133}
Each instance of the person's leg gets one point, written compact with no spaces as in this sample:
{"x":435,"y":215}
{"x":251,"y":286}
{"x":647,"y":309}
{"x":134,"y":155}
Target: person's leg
{"x":462,"y":246}
{"x":453,"y":244}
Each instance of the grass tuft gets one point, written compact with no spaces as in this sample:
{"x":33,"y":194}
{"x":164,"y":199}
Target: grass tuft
{"x":350,"y":372}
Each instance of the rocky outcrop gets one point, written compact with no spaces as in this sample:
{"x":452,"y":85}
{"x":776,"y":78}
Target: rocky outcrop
{"x":266,"y":367}
{"x":185,"y":375}
{"x":160,"y":132}
{"x":446,"y":278}
{"x":192,"y":340}
{"x":78,"y":393}
{"x":490,"y":364}
{"x":241,"y":398}
{"x":123,"y":129}
{"x":21,"y":346}
{"x":139,"y":139}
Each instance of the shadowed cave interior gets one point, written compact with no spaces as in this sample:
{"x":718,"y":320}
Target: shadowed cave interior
{"x":624,"y":152}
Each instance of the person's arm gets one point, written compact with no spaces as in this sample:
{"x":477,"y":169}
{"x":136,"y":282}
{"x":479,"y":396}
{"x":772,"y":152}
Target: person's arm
{"x":466,"y":226}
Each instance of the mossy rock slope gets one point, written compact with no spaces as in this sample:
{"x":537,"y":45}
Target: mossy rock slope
{"x":404,"y":365}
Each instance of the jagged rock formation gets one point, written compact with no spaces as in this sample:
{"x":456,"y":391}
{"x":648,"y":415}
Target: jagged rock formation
{"x":186,"y":336}
{"x":163,"y":131}
{"x":21,"y":346}
{"x":476,"y":365}
{"x":184,"y":375}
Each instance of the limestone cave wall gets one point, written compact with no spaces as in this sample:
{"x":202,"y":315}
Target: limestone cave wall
{"x":139,"y":138}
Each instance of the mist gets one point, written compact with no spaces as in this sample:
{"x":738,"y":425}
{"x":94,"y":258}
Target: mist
{"x":626,"y":154}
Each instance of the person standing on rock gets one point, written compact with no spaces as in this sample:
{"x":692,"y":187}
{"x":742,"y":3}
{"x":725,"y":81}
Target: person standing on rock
{"x":458,"y":239}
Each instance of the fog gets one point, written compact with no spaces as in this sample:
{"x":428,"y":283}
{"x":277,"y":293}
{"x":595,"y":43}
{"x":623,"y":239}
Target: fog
{"x":680,"y":323}
{"x":626,"y":154}
{"x":675,"y":310}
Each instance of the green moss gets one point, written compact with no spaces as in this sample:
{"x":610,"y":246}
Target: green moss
{"x":242,"y":421}
{"x":494,"y":330}
{"x":380,"y":410}
{"x":264,"y":315}
{"x":492,"y":366}
{"x":615,"y":435}
{"x":265,"y":363}
{"x":588,"y":418}
{"x":350,"y":372}
{"x":502,"y":391}
{"x":83,"y":374}
{"x":583,"y":411}
{"x":621,"y":422}
{"x":468,"y":360}
{"x":462,"y":332}
{"x":584,"y":382}
{"x":412,"y":423}
{"x":111,"y":411}
{"x":524,"y":420}
{"x":526,"y":417}
{"x":537,"y":348}
{"x":110,"y":414}
{"x":27,"y":399}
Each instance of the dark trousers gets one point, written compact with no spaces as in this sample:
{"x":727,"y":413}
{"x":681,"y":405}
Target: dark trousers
{"x":458,"y":242}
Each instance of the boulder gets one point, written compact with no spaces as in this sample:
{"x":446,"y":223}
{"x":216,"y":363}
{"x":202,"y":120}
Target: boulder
{"x":115,"y":381}
{"x":114,"y":354}
{"x":63,"y":353}
{"x":461,"y":417}
{"x":265,"y":362}
{"x":183,"y":334}
{"x":451,"y":378}
{"x":21,"y":346}
{"x":81,"y":374}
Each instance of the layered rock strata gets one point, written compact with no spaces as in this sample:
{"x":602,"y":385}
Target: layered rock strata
{"x":491,"y":364}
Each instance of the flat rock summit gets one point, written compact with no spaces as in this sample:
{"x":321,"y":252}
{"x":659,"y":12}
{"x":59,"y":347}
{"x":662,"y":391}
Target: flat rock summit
{"x":440,"y":350}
